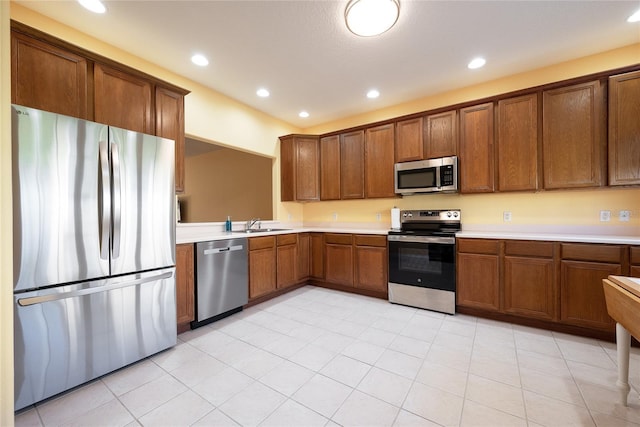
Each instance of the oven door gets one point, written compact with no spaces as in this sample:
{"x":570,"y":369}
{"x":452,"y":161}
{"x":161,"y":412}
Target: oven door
{"x":423,"y":261}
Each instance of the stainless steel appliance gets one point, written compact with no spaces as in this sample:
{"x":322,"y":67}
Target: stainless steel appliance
{"x":427,"y":176}
{"x":222,"y":279}
{"x":94,"y":250}
{"x":422,"y":260}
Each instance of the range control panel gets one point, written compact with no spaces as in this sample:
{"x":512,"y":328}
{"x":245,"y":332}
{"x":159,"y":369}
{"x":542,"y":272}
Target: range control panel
{"x":430,"y":215}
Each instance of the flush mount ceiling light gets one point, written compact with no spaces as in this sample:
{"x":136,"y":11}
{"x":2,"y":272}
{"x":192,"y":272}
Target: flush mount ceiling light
{"x":262,"y":93}
{"x":476,"y":63}
{"x":368,"y":18}
{"x":303,"y":114}
{"x":635,"y":17}
{"x":372,"y":94}
{"x":200,"y":60}
{"x":94,"y":6}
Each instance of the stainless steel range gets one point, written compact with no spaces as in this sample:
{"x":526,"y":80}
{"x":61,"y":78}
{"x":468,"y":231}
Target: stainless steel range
{"x":422,"y":260}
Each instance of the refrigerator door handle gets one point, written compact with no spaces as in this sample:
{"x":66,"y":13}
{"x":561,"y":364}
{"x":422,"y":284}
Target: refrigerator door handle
{"x":24,"y":302}
{"x":104,"y":201}
{"x":117,"y":209}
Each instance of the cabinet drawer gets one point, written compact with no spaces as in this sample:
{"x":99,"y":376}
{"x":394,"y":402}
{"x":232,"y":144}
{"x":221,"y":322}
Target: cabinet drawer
{"x":478,"y":246}
{"x":528,"y":248}
{"x":287,"y":239}
{"x":370,"y":240}
{"x":635,"y":255}
{"x":338,"y":239}
{"x":592,"y":252}
{"x":263,"y":242}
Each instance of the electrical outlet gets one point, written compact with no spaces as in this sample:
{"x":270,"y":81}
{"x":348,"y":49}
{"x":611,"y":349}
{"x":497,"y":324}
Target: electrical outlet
{"x":624,"y":215}
{"x":378,"y":216}
{"x":289,"y":216}
{"x":605,"y":216}
{"x":334,"y":216}
{"x":506,"y":216}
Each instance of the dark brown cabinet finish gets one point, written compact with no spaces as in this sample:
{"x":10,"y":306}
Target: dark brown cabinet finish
{"x":409,"y":144}
{"x":170,"y":124}
{"x":634,"y":258}
{"x":529,"y":281}
{"x":517,"y":143}
{"x":352,"y":165}
{"x":441,"y":135}
{"x":478,"y":280}
{"x":286,"y":274}
{"x":476,"y":166}
{"x":317,"y":256}
{"x":122,"y":100}
{"x":262,"y":266}
{"x":185,"y":293}
{"x":574,"y":138}
{"x":371,"y":263}
{"x":624,"y":129}
{"x":379,"y":161}
{"x":300,"y":168}
{"x":303,"y":257}
{"x":48,"y":78}
{"x":339,"y":259}
{"x":330,"y":168}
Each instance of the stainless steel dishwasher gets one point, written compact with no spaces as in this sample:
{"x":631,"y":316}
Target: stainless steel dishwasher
{"x":222,"y":279}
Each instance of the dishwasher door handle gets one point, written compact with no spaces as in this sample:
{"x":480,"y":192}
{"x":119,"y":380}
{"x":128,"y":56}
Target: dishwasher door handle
{"x":222,"y":250}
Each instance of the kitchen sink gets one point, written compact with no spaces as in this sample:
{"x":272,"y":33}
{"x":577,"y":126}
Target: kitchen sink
{"x":264,"y":230}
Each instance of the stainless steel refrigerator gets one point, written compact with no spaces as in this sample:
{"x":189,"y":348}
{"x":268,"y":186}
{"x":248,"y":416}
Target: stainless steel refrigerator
{"x":94,"y":250}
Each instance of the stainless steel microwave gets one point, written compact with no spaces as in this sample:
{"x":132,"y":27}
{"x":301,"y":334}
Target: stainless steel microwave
{"x":427,"y":176}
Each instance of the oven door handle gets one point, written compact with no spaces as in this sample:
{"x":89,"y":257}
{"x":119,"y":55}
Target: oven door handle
{"x":422,"y":239}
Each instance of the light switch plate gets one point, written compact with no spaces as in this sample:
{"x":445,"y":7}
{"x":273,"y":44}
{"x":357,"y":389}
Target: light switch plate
{"x":624,"y":215}
{"x":605,"y":216}
{"x":506,"y":216}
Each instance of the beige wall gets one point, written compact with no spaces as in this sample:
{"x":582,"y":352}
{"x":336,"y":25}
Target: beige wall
{"x":227,"y":182}
{"x":6,"y":271}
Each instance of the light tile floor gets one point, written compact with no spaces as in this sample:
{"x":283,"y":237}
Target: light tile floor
{"x":316,"y":357}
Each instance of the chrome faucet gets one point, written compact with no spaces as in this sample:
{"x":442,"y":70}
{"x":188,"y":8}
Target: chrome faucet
{"x":252,"y":222}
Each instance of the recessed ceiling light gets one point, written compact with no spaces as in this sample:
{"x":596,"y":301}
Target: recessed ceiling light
{"x":371,"y":17}
{"x":476,"y":63}
{"x":94,"y":6}
{"x":200,"y":60}
{"x":372,"y":94}
{"x":303,"y":114}
{"x":262,"y":92}
{"x":635,"y":17}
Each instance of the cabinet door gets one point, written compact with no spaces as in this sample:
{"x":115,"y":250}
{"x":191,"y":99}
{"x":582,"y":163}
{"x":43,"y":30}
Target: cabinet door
{"x":286,"y":268}
{"x":624,"y":129}
{"x":441,"y":135}
{"x":582,"y":301}
{"x":317,"y":256}
{"x":307,"y":168}
{"x":476,"y":164}
{"x":352,"y":165}
{"x":574,"y":141}
{"x":339,"y":264}
{"x":184,"y":286}
{"x":170,"y":124}
{"x":287,"y":169}
{"x":529,"y":287}
{"x":330,"y":168}
{"x":122,"y":100}
{"x":262,"y":272}
{"x":303,"y":257}
{"x":517,"y":143}
{"x":409,"y":145}
{"x":48,"y":78}
{"x":478,"y":281}
{"x":371,"y":268}
{"x":379,"y":161}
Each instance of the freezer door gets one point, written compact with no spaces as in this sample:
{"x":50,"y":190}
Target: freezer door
{"x":68,"y":335}
{"x":143,"y":205}
{"x":56,"y":199}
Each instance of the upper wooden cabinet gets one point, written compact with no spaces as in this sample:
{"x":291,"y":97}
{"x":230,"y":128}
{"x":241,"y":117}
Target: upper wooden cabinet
{"x":330,"y":168}
{"x":476,"y":166}
{"x":299,"y":168}
{"x":517,"y":143}
{"x":409,"y":145}
{"x":352,"y":165}
{"x":170,"y":124}
{"x":441,"y":135}
{"x":574,"y":138}
{"x":624,"y":129}
{"x":379,"y":161}
{"x":122,"y":100}
{"x":47,"y":77}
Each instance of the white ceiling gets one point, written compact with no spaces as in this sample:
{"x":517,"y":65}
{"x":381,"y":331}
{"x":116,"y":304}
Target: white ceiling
{"x":302,"y":52}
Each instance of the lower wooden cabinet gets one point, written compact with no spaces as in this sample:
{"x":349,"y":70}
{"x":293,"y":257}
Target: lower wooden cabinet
{"x":635,"y":261}
{"x":303,"y":257}
{"x":185,"y":292}
{"x":262,"y":266}
{"x":371,"y":263}
{"x":317,"y":256}
{"x":478,"y":284}
{"x":339,"y":259}
{"x":286,"y":253}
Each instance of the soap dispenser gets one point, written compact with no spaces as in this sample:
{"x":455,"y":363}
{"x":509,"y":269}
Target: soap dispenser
{"x":227,"y":224}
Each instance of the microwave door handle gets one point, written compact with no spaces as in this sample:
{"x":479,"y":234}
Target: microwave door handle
{"x":438,"y":181}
